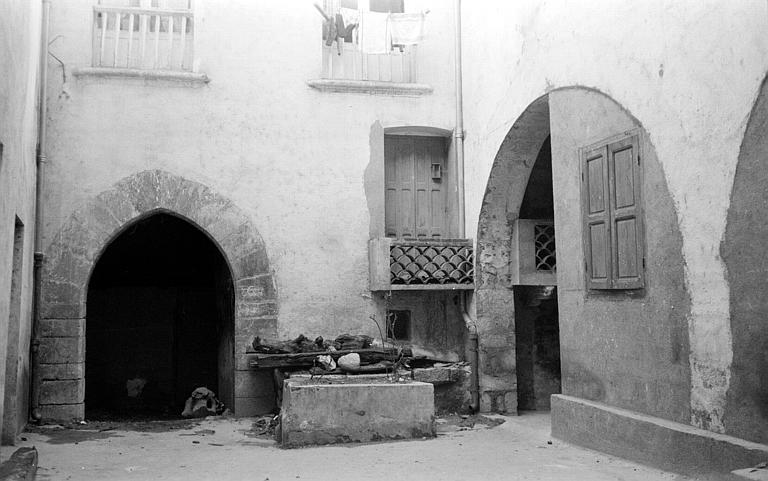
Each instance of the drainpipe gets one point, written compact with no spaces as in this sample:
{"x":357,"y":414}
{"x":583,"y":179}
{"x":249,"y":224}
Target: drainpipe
{"x":458,"y":135}
{"x":39,"y":257}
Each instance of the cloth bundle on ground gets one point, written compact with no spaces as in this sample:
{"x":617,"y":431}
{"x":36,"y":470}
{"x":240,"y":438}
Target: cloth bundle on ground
{"x":348,"y":342}
{"x":300,"y":344}
{"x":202,"y":403}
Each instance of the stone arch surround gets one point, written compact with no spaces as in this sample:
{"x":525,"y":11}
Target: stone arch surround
{"x":495,"y":299}
{"x":76,"y":247}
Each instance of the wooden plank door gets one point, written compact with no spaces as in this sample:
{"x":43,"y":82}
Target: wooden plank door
{"x":415,"y":205}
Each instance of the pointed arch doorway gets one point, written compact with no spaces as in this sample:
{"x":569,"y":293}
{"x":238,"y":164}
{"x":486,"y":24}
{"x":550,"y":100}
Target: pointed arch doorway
{"x":160,"y":321}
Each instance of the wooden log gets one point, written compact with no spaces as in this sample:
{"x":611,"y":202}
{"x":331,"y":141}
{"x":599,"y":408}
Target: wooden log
{"x":306,"y":359}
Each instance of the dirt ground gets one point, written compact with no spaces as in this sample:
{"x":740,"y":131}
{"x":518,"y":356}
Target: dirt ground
{"x":481,"y":448}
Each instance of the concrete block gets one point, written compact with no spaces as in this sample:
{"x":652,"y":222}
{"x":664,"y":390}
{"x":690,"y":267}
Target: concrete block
{"x":58,"y":372}
{"x":650,"y":440}
{"x":254,"y":406}
{"x":245,"y":308}
{"x":255,"y":289}
{"x":62,"y":412}
{"x":61,"y":350}
{"x":252,"y":383}
{"x":62,"y":392}
{"x":62,"y":327}
{"x":358,"y":409}
{"x":438,"y":375}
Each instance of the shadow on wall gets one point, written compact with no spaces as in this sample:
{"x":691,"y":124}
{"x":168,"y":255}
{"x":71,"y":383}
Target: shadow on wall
{"x":745,"y":253}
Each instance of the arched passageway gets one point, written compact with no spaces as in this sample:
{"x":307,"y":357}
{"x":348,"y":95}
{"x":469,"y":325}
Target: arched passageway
{"x":160,"y":320}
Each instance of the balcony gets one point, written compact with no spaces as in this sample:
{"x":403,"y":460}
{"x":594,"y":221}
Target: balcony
{"x":421,"y":264}
{"x":534,"y":259}
{"x":346,"y":67}
{"x":142,"y":42}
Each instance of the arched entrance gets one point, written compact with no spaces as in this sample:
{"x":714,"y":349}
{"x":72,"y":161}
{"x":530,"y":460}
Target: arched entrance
{"x":109,"y":220}
{"x":160,"y":321}
{"x":612,"y":339}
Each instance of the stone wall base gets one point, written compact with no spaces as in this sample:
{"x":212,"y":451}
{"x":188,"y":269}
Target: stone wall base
{"x":652,"y":441}
{"x":62,"y":412}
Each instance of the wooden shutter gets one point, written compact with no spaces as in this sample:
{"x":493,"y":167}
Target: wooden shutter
{"x":626,"y":213}
{"x":414,"y":201}
{"x":612,"y":215}
{"x":596,"y":215}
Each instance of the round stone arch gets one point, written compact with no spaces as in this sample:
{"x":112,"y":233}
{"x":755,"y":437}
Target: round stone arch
{"x":659,"y":312}
{"x":494,"y":298}
{"x":77,"y":246}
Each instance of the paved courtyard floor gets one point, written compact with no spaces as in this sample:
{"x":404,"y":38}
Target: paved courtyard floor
{"x":231,"y":449}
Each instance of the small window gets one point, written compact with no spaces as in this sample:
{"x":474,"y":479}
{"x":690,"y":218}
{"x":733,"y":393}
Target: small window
{"x":611,"y":187}
{"x":398,"y":325}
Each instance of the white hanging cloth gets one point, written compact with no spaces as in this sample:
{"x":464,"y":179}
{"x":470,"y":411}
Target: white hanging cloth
{"x":374,"y":32}
{"x":406,"y":28}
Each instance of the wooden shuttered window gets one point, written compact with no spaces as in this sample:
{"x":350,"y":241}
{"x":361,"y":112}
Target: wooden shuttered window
{"x":415,"y":197}
{"x":612,"y":215}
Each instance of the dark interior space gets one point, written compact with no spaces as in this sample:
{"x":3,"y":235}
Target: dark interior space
{"x":538,"y":202}
{"x":159,"y":321}
{"x":538,"y":346}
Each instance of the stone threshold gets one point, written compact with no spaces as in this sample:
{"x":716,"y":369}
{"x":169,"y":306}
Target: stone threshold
{"x":372,"y":87}
{"x":653,"y":441}
{"x":133,"y":73}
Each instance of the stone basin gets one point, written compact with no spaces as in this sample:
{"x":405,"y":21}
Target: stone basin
{"x":349,"y":409}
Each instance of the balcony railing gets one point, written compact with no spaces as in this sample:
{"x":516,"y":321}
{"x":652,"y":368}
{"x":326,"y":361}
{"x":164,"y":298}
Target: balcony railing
{"x":397,"y":66}
{"x":142,"y":38}
{"x":421,"y":264}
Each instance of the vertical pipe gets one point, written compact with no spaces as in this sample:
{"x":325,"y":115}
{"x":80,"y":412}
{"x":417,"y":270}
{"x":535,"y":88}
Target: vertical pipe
{"x":40,"y":182}
{"x":458,"y":135}
{"x":458,"y":132}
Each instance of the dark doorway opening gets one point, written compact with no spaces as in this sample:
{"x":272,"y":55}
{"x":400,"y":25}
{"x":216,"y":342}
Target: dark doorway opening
{"x":159,"y":322}
{"x":536,"y":317}
{"x":538,"y":346}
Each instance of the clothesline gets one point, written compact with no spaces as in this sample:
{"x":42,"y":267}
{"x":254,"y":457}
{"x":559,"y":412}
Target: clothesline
{"x":376,"y":32}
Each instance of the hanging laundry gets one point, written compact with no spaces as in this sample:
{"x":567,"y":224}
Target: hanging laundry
{"x":351,"y":18}
{"x":374,"y":33}
{"x":406,"y":28}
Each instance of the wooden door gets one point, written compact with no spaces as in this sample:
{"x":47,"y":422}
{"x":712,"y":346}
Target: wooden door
{"x":415,"y":205}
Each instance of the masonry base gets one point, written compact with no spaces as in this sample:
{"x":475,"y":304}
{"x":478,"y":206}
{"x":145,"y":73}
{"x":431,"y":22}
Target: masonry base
{"x":652,"y":441}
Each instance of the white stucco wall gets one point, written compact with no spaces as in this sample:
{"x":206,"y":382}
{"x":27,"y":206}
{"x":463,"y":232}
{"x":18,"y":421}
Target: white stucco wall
{"x":291,"y":157}
{"x":19,"y":47}
{"x":689,"y":71}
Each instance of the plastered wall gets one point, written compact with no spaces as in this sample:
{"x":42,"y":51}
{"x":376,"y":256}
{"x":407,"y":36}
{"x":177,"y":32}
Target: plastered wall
{"x":627,"y":349}
{"x":292,"y":158}
{"x":19,"y":46}
{"x":689,"y":71}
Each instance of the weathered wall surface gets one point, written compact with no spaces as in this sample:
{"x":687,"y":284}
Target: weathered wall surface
{"x":744,"y":253}
{"x":291,"y":157}
{"x":626,"y":349}
{"x":655,"y":60}
{"x":19,"y":46}
{"x":294,"y":161}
